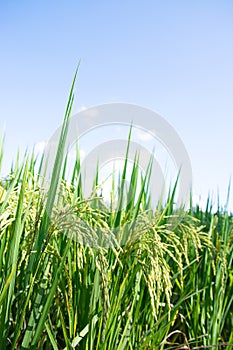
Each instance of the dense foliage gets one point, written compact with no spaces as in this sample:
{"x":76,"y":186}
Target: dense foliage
{"x":76,"y":274}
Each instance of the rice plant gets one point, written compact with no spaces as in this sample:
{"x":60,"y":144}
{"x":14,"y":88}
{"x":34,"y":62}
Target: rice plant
{"x":76,"y":273}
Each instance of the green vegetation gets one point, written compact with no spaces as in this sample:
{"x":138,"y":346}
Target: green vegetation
{"x":76,"y":274}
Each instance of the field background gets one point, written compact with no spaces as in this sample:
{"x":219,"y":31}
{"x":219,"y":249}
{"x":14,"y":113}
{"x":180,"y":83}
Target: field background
{"x":74,"y":272}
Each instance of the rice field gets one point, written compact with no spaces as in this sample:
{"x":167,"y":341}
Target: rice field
{"x":78,"y":274}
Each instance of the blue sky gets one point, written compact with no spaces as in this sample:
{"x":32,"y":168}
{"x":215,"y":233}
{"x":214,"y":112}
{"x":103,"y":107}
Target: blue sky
{"x":174,"y":57}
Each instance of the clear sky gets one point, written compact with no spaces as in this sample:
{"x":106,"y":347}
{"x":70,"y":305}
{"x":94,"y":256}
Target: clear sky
{"x":174,"y":57}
